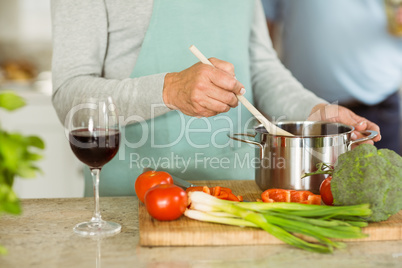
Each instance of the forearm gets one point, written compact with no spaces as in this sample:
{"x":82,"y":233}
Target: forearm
{"x":136,"y":99}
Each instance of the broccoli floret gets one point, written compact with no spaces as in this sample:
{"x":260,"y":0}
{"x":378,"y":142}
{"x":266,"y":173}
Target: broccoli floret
{"x":368,"y":175}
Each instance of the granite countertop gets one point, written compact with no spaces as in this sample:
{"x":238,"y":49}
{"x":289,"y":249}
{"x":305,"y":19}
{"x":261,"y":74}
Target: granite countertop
{"x":42,"y":237}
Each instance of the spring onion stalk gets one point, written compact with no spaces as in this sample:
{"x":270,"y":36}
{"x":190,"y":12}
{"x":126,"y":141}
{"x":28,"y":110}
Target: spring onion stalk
{"x":204,"y":207}
{"x":222,"y":214}
{"x":259,"y":220}
{"x":333,"y":232}
{"x":216,"y":218}
{"x":321,"y":222}
{"x":319,"y":237}
{"x":283,"y":220}
{"x":347,"y":218}
{"x":225,"y":218}
{"x":306,"y":210}
{"x":355,"y":223}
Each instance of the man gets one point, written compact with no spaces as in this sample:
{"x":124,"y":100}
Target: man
{"x":342,"y":51}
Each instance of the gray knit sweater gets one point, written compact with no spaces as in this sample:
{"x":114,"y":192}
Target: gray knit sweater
{"x":96,"y":44}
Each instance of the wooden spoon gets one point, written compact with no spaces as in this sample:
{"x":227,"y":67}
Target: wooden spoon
{"x":270,"y":127}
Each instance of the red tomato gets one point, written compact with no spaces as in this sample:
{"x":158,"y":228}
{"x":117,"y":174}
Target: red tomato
{"x":148,"y":180}
{"x":325,"y":192}
{"x":166,"y":202}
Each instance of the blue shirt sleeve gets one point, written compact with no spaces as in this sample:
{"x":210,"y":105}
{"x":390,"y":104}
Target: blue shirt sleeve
{"x":271,"y":9}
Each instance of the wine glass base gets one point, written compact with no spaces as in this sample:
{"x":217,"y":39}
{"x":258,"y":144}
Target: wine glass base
{"x":97,"y":229}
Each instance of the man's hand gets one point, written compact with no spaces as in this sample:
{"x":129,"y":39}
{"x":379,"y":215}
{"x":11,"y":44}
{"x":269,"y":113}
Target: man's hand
{"x":203,"y":90}
{"x":340,"y":114}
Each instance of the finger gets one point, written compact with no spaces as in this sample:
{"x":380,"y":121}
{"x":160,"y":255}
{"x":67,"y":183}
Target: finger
{"x":223,"y":65}
{"x":365,"y":124}
{"x":357,"y":135}
{"x":374,"y":127}
{"x":214,"y":106}
{"x":359,"y":123}
{"x":200,"y":111}
{"x":226,"y":82}
{"x":223,"y":96}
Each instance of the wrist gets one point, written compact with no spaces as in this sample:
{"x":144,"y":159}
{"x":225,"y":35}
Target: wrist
{"x":318,"y":112}
{"x":325,"y":112}
{"x":168,"y":89}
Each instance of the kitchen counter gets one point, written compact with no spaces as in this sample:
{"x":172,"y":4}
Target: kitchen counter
{"x":43,"y":237}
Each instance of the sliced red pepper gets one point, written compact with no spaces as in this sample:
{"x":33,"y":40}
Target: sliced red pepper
{"x":226,"y":189}
{"x":194,"y":188}
{"x":314,"y":199}
{"x":206,"y":190}
{"x":223,"y":195}
{"x":216,"y":191}
{"x":232,"y":197}
{"x":277,"y":195}
{"x":281,"y":195}
{"x":299,"y":196}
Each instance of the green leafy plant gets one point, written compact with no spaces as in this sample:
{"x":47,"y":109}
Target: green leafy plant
{"x":18,"y":154}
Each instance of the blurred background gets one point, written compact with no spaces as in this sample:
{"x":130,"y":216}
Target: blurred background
{"x":25,"y":43}
{"x":25,"y":67}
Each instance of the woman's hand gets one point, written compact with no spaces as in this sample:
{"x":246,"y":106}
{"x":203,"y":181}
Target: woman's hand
{"x":340,"y":114}
{"x":203,"y":90}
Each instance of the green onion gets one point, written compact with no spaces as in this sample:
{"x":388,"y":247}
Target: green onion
{"x":332,"y":232}
{"x":306,"y":210}
{"x":205,"y":216}
{"x":320,"y":221}
{"x":284,"y":220}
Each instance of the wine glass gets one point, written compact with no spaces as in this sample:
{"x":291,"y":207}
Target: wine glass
{"x":94,"y":136}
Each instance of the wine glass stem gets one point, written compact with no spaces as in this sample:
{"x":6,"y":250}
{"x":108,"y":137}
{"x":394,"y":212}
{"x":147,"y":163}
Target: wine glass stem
{"x":95,"y":177}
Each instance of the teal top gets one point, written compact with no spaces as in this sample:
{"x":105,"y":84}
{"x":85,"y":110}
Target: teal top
{"x":97,"y":44}
{"x":190,"y":148}
{"x":185,"y":146}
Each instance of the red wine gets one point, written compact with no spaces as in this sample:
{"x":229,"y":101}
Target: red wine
{"x":95,"y":148}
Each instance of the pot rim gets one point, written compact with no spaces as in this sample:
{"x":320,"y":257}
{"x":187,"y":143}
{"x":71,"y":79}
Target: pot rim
{"x":303,"y":123}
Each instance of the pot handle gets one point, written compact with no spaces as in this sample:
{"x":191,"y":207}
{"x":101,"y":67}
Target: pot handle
{"x":371,"y":135}
{"x":233,"y":137}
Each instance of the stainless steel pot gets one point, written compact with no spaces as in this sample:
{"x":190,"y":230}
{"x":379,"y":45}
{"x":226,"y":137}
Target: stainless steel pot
{"x":284,"y":159}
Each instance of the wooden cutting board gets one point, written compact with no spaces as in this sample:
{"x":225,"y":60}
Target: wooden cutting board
{"x":188,"y":232}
